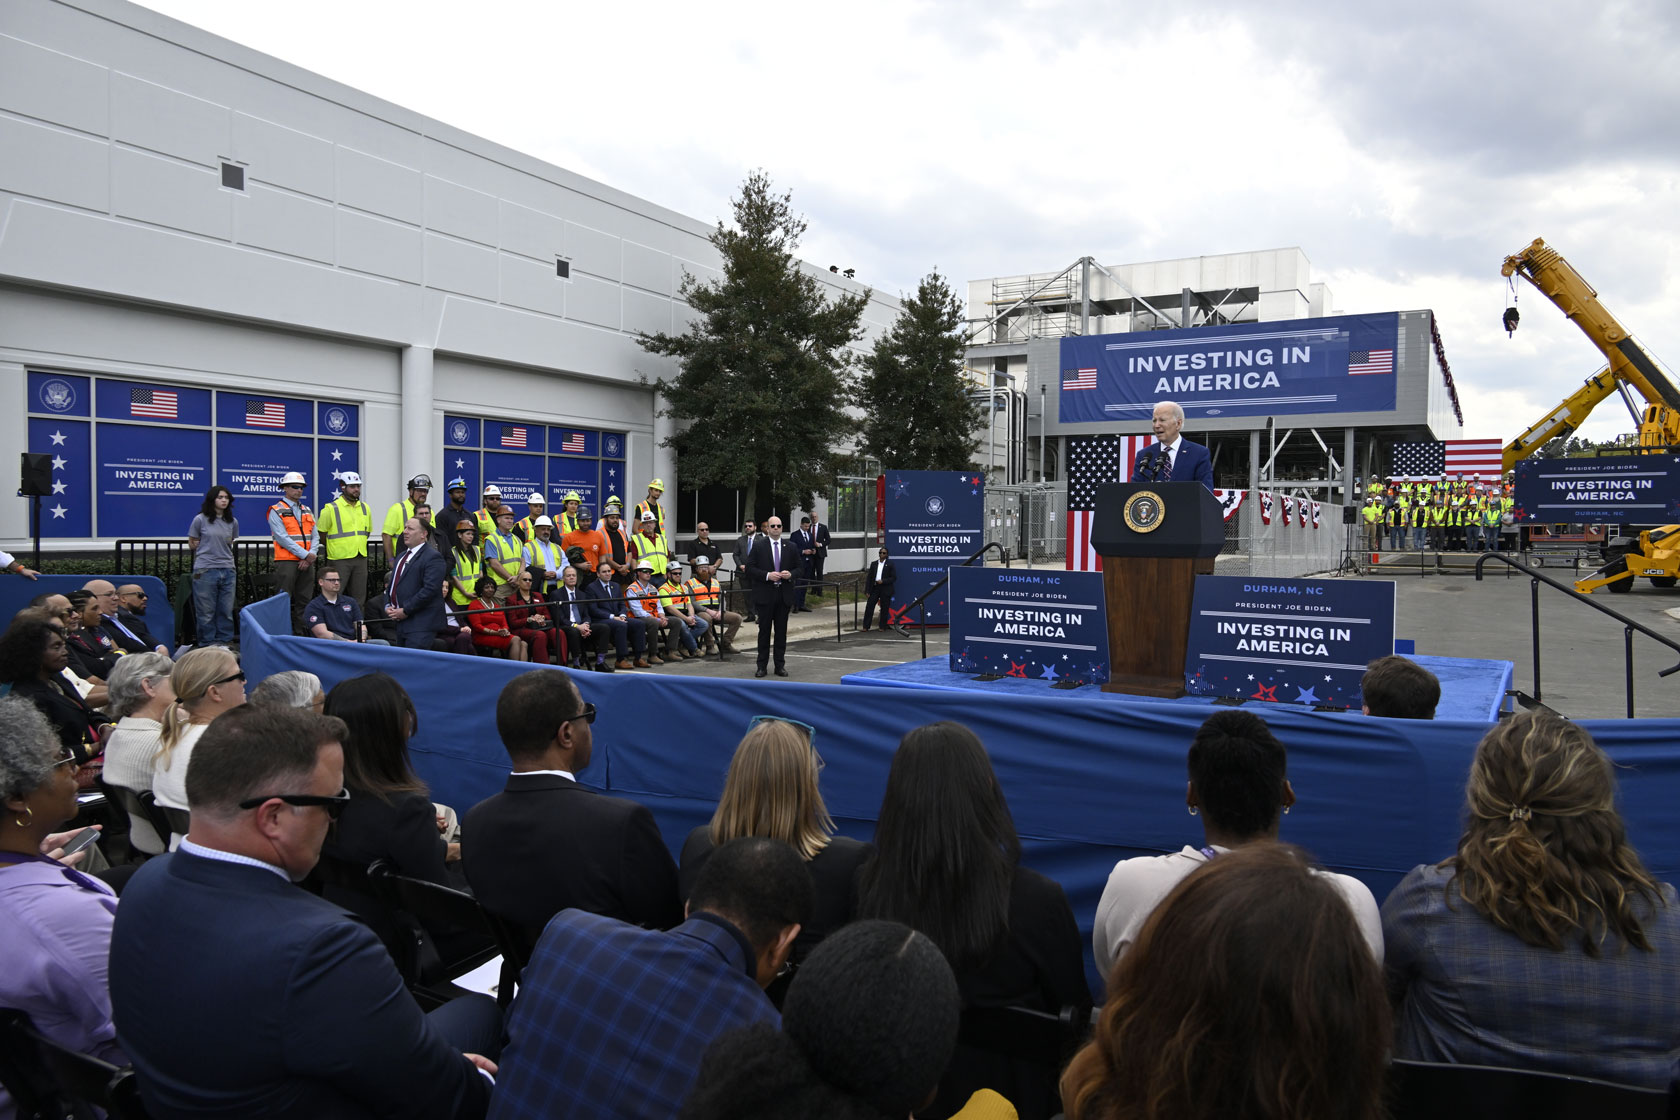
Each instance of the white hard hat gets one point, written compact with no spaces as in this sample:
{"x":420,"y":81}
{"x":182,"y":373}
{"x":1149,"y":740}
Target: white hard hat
{"x":349,"y":478}
{"x":492,"y":491}
{"x":543,"y":520}
{"x":537,"y":499}
{"x":293,"y":478}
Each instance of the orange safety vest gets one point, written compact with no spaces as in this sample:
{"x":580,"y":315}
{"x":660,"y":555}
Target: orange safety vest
{"x":650,"y":603}
{"x":674,"y":596}
{"x":608,"y":534}
{"x":299,"y":533}
{"x":703,"y":594}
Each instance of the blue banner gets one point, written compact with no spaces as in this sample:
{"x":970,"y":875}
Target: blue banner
{"x":333,"y":458}
{"x":934,"y":519}
{"x":59,"y":394}
{"x":513,"y":437}
{"x":1029,"y":623}
{"x":613,"y":445}
{"x":1341,"y":364}
{"x":574,"y":441}
{"x":68,"y":511}
{"x":613,"y":485}
{"x":460,"y":431}
{"x":151,"y":482}
{"x":147,"y":402}
{"x":338,"y":421}
{"x":251,"y":467}
{"x":261,"y":412}
{"x":1292,"y":641}
{"x":1624,"y":489}
{"x":516,"y":475}
{"x":565,"y":475}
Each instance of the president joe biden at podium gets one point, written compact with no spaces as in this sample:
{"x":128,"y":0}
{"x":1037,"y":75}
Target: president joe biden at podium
{"x":1172,"y":458}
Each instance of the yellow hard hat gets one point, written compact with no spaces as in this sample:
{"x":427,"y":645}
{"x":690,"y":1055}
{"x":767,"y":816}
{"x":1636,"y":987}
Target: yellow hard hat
{"x":657,"y":484}
{"x":572,"y":496}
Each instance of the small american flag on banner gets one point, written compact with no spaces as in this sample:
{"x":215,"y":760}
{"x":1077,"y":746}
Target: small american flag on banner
{"x":513,"y":437}
{"x":154,"y":404}
{"x":573,"y":442}
{"x":264,"y":414}
{"x":1370,"y":361}
{"x":1079,"y":378}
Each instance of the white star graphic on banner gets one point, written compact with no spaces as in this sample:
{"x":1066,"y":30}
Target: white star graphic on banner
{"x":612,"y":473}
{"x":58,"y":439}
{"x":60,"y":487}
{"x":59,"y":511}
{"x":59,"y":463}
{"x":337,"y":455}
{"x":336,"y":475}
{"x":459,"y":463}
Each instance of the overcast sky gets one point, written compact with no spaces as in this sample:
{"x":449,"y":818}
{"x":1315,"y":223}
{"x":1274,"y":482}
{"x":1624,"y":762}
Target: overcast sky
{"x":1406,"y":153}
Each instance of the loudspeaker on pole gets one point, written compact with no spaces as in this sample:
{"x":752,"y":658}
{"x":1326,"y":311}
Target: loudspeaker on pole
{"x":36,"y":476}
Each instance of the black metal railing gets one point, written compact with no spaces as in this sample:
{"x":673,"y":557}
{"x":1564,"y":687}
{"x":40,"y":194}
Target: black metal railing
{"x":1629,"y":626}
{"x":921,"y":600}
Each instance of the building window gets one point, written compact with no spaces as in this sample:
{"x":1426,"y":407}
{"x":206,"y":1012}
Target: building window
{"x":852,"y":509}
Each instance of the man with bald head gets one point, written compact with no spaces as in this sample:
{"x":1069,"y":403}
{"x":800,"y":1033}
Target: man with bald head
{"x":126,"y":638}
{"x":1172,"y":458}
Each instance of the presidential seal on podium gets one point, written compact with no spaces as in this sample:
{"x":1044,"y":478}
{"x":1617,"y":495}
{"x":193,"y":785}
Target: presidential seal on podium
{"x":1144,"y":511}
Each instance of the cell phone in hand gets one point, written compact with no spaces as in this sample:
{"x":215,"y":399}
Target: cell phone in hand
{"x":82,"y":839}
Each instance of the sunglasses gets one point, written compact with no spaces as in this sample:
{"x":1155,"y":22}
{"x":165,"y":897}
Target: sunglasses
{"x":810,"y":732}
{"x":587,"y":715}
{"x":334,"y":805}
{"x":239,"y":676}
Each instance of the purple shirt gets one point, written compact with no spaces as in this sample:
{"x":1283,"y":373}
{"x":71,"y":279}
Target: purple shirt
{"x":55,"y":923}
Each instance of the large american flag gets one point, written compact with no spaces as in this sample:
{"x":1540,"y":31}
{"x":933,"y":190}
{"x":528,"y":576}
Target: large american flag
{"x":1092,"y":461}
{"x":1421,"y":462}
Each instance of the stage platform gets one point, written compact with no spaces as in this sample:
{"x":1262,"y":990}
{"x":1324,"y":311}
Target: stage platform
{"x":1470,"y":689}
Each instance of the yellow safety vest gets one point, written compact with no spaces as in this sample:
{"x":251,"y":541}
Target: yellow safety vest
{"x":568,"y":523}
{"x":486,"y":523}
{"x":658,"y":512}
{"x":546,"y":554}
{"x":467,"y":571}
{"x":507,"y":549}
{"x":395,"y":518}
{"x":1373,"y":512}
{"x":345,"y":528}
{"x":654,"y":550}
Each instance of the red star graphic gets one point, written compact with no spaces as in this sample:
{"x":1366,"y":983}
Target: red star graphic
{"x":1016,"y":670}
{"x":1261,"y":692}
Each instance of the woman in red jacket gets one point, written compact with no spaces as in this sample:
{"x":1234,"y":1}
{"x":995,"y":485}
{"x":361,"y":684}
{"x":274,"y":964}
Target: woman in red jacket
{"x":490,"y":629}
{"x":530,"y":621}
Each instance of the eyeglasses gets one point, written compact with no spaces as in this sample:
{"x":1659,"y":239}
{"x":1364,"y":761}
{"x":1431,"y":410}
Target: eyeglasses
{"x":810,"y":732}
{"x":139,"y":594}
{"x":334,"y":805}
{"x":239,"y":676}
{"x":69,"y":759}
{"x":587,"y":715}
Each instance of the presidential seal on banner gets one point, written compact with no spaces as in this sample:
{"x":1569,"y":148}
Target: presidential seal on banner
{"x":1144,"y":512}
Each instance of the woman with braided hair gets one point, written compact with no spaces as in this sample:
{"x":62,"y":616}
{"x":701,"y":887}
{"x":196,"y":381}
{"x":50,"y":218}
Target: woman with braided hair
{"x":1544,"y":944}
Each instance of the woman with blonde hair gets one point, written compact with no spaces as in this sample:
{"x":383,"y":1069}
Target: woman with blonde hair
{"x":1545,"y":943}
{"x":206,"y":682}
{"x":772,"y":791}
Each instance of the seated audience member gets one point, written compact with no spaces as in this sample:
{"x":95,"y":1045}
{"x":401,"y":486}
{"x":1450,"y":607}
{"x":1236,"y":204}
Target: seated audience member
{"x":689,"y":627}
{"x":111,"y":623}
{"x":1240,"y":787}
{"x":490,"y":632}
{"x":609,"y":611}
{"x":947,"y":863}
{"x":546,"y":843}
{"x":335,"y":617}
{"x":236,"y":994}
{"x":33,"y":656}
{"x":55,"y":922}
{"x":870,"y":1021}
{"x":132,"y":601}
{"x":706,"y":598}
{"x":1399,"y":688}
{"x":1250,"y":992}
{"x":1544,"y":943}
{"x":206,"y":683}
{"x":94,"y":648}
{"x":292,"y":688}
{"x":642,"y":598}
{"x":528,"y":618}
{"x":54,"y":608}
{"x":582,"y":638}
{"x":612,"y":1021}
{"x":772,"y":791}
{"x":140,"y":699}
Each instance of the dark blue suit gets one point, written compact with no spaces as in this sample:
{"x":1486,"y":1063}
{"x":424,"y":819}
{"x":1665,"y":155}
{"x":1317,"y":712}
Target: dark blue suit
{"x":1193,"y":464}
{"x":239,"y":994}
{"x":601,"y":599}
{"x":421,"y":595}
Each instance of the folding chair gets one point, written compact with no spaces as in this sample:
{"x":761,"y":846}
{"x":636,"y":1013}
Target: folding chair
{"x":1444,"y":1091}
{"x":49,"y":1081}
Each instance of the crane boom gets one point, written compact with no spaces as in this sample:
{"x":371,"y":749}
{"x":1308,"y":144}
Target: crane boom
{"x":1562,"y":421}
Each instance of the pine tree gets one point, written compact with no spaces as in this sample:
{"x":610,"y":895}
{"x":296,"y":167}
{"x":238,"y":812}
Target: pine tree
{"x":918,"y":412}
{"x":766,"y":367}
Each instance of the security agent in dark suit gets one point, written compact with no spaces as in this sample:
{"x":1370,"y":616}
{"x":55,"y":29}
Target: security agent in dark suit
{"x":805,"y":550}
{"x":546,"y":843}
{"x":878,"y":581}
{"x":237,"y":994}
{"x":771,"y":564}
{"x":1172,"y":458}
{"x":414,"y":600}
{"x":743,"y":545}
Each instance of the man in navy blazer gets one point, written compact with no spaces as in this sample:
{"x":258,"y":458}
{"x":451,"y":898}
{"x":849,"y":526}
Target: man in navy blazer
{"x":236,"y":993}
{"x":1186,"y":461}
{"x":414,"y":600}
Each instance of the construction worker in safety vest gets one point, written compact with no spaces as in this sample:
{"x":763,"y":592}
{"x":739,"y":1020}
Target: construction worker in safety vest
{"x":706,"y":596}
{"x":651,"y":505}
{"x":685,"y":622}
{"x":568,"y":522}
{"x":642,"y":599}
{"x":591,"y":540}
{"x":619,"y":560}
{"x":544,"y":555}
{"x":485,"y":515}
{"x":1438,"y":523}
{"x":1394,"y":519}
{"x":1373,"y":517}
{"x":504,"y":555}
{"x":538,"y":505}
{"x":650,"y":545}
{"x":390,"y":531}
{"x":345,"y":525}
{"x":466,"y":564}
{"x":292,"y":526}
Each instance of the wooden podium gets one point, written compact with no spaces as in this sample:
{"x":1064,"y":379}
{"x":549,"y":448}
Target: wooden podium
{"x":1154,"y":537}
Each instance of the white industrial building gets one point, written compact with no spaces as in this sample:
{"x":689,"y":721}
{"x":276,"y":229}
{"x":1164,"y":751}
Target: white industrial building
{"x":214,"y":264}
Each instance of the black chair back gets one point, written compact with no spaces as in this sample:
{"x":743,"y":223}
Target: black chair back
{"x":179,"y":820}
{"x":1442,"y":1091}
{"x":437,"y":908}
{"x":48,"y":1081}
{"x":142,"y":809}
{"x":1036,"y":1037}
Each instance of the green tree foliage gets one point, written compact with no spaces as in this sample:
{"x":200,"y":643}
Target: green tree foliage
{"x":918,"y":412}
{"x":1577,"y":448}
{"x":766,"y":367}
